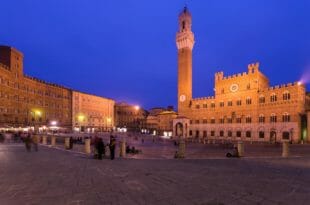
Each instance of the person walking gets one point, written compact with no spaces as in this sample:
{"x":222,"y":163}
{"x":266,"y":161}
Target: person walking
{"x":71,"y":143}
{"x":35,"y":141}
{"x":112,"y":147}
{"x":100,"y":148}
{"x":28,"y":142}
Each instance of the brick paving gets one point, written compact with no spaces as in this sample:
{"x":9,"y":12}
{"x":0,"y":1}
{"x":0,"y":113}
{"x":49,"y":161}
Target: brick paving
{"x":53,"y":176}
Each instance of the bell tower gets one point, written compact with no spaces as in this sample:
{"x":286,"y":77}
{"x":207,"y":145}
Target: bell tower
{"x":185,"y":43}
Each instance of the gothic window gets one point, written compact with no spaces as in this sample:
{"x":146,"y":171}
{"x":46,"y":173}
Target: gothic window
{"x":248,"y":101}
{"x":238,"y":120}
{"x":248,"y":119}
{"x":273,"y":118}
{"x":222,"y":121}
{"x":204,"y":121}
{"x":204,"y":105}
{"x":183,"y":25}
{"x":261,"y":134}
{"x":212,"y":133}
{"x":212,"y":121}
{"x":286,"y":117}
{"x":221,"y":104}
{"x":238,"y":133}
{"x":238,"y":102}
{"x":261,"y":99}
{"x":286,"y":135}
{"x":229,"y":120}
{"x":229,"y":103}
{"x":221,"y":133}
{"x":286,"y":95}
{"x":196,"y":121}
{"x":229,"y":133}
{"x":273,"y":98}
{"x":212,"y":105}
{"x":261,"y":119}
{"x":197,"y":106}
{"x":248,"y":134}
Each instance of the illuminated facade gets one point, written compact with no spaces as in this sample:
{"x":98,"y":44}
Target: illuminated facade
{"x":92,"y":113}
{"x":27,"y":101}
{"x":131,"y":117}
{"x":244,"y":107}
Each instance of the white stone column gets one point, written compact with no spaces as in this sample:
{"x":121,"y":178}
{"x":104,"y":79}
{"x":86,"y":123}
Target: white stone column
{"x":181,"y":151}
{"x":122,"y":152}
{"x":44,"y":139}
{"x":53,"y":140}
{"x":285,"y":149}
{"x":240,"y":149}
{"x":67,"y":143}
{"x":87,"y":146}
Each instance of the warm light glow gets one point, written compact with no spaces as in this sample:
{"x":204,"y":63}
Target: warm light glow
{"x":81,"y":118}
{"x":38,"y":113}
{"x":54,"y":123}
{"x":137,"y":107}
{"x":109,"y":120}
{"x":299,"y":83}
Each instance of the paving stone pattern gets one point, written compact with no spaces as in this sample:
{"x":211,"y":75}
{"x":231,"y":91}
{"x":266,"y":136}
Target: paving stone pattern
{"x":53,"y":176}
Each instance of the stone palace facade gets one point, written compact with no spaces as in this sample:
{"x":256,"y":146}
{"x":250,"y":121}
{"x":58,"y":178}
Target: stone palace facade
{"x":244,"y":107}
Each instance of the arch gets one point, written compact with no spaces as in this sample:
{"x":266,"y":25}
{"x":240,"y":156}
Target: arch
{"x":273,"y":135}
{"x":179,"y":131}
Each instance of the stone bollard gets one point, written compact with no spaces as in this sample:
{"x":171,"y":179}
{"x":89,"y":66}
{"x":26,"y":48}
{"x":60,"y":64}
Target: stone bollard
{"x":181,"y":151}
{"x":122,"y":150}
{"x":44,"y":139}
{"x":240,"y":149}
{"x":67,"y":143}
{"x":53,"y":141}
{"x":87,"y":146}
{"x":285,"y":149}
{"x":204,"y":141}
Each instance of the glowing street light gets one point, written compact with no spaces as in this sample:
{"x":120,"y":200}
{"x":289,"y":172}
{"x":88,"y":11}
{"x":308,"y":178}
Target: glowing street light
{"x":81,"y":118}
{"x":54,"y":123}
{"x":137,"y":107}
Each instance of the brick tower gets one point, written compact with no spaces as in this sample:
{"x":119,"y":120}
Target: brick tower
{"x":185,"y":43}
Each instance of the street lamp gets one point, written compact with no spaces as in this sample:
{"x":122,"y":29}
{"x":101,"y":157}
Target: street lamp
{"x":109,"y":120}
{"x":81,"y":119}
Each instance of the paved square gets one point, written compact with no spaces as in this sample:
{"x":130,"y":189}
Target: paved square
{"x":53,"y":176}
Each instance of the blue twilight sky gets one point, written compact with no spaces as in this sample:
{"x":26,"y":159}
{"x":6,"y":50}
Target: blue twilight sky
{"x":125,"y":49}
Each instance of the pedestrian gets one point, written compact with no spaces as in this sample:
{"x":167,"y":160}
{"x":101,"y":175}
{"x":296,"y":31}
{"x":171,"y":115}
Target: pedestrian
{"x":71,"y":143}
{"x":112,"y":147}
{"x":35,"y":141}
{"x":28,"y":142}
{"x":100,"y":148}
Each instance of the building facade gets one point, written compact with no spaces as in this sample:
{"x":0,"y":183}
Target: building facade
{"x":244,"y":107}
{"x":130,"y":117}
{"x":27,"y":102}
{"x":92,"y":113}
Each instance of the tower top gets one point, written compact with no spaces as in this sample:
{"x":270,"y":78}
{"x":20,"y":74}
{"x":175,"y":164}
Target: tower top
{"x":185,"y":12}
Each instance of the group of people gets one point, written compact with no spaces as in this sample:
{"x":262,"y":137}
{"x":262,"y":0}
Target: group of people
{"x":31,"y":141}
{"x":100,"y":147}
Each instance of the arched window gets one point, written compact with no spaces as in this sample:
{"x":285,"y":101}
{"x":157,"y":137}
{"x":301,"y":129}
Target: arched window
{"x":248,"y":119}
{"x":261,"y":118}
{"x":273,"y":118}
{"x":285,"y":135}
{"x":286,"y":95}
{"x":273,"y":97}
{"x":286,"y":117}
{"x":248,"y":101}
{"x":261,"y":134}
{"x":261,"y":99}
{"x":248,"y":134}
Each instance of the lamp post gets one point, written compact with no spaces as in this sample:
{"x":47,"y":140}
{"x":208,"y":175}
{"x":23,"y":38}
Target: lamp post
{"x":136,"y":120}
